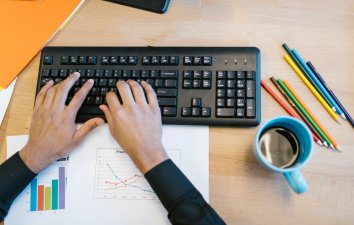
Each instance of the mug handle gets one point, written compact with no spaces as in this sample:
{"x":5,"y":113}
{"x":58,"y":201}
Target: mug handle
{"x":296,"y":181}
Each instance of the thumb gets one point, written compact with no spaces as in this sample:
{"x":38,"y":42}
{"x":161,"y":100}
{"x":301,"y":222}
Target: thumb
{"x":86,"y":128}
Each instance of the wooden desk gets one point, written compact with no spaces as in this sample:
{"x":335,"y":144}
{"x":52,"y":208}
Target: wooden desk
{"x":241,"y":191}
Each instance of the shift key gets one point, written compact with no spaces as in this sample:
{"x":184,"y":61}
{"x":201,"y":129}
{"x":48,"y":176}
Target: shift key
{"x":164,"y":92}
{"x":225,"y":112}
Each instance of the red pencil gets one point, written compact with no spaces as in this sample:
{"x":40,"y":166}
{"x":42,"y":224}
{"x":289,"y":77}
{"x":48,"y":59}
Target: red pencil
{"x":289,"y":111}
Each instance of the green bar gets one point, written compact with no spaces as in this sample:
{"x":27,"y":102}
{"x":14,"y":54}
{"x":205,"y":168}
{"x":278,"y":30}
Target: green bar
{"x":303,"y":111}
{"x":292,"y":56}
{"x":55,"y":194}
{"x":47,"y":198}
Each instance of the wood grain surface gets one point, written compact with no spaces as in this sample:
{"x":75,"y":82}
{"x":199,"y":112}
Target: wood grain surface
{"x":240,"y":190}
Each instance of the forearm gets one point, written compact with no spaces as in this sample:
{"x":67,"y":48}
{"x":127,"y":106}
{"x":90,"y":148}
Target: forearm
{"x":184,"y":203}
{"x":14,"y":177}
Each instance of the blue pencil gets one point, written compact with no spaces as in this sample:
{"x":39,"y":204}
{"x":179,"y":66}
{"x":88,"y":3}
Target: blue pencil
{"x":318,"y":75}
{"x":319,"y":85}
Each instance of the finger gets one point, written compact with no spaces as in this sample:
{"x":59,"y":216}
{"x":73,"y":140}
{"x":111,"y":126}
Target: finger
{"x":138,"y":92}
{"x":107,"y":114}
{"x":41,"y":94}
{"x":79,"y":97}
{"x":49,"y":98}
{"x":150,"y":94}
{"x":113,"y":101}
{"x":64,"y":88}
{"x":125,"y":93}
{"x":86,"y":128}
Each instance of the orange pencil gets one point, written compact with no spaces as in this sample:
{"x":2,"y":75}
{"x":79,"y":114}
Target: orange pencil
{"x":312,"y":116}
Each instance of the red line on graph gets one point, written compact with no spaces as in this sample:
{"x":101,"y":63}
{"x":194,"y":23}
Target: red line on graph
{"x":126,"y":180}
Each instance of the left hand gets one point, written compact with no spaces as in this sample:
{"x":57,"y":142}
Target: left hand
{"x":53,"y":132}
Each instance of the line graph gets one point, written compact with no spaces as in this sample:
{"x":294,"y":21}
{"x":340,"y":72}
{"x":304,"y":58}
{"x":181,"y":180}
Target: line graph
{"x":116,"y":176}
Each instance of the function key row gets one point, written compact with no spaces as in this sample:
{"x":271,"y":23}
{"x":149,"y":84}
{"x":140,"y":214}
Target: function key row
{"x":79,"y":60}
{"x":240,"y":75}
{"x":119,"y":60}
{"x":197,"y":61}
{"x":160,"y":60}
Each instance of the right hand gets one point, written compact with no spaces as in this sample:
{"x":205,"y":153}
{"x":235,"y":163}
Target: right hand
{"x":136,"y":123}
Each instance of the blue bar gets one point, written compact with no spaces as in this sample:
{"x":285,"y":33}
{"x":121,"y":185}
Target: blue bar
{"x":33,"y":200}
{"x":317,"y":83}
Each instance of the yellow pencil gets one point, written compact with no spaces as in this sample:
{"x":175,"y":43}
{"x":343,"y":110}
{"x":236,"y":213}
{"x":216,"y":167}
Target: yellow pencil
{"x":312,"y":89}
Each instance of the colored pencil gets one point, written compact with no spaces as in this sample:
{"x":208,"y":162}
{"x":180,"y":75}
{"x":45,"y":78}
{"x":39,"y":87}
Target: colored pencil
{"x":312,"y":89}
{"x":311,"y":114}
{"x":286,"y":90}
{"x":318,"y":85}
{"x":314,"y":132}
{"x":312,"y":67}
{"x":282,"y":104}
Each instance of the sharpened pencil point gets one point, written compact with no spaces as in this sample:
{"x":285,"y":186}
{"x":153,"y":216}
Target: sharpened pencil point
{"x":319,"y":142}
{"x":334,"y":109}
{"x":343,"y":116}
{"x":338,"y":148}
{"x":325,"y":144}
{"x":332,"y":147}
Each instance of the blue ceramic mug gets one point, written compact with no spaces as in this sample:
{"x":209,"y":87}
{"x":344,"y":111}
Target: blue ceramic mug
{"x":303,"y":135}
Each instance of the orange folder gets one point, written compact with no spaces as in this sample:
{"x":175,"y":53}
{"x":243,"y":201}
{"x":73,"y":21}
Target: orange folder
{"x":25,"y":28}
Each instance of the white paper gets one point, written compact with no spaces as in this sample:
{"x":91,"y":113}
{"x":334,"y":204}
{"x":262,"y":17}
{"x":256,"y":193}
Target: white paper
{"x":5,"y":96}
{"x":20,"y":212}
{"x":99,"y":166}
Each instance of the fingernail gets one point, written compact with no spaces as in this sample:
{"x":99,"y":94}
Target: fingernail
{"x":90,"y":81}
{"x":76,"y":74}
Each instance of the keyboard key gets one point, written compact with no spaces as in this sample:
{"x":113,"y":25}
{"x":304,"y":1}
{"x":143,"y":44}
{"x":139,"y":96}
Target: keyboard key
{"x":98,"y":73}
{"x":167,"y":101}
{"x":230,"y":102}
{"x":225,"y":112}
{"x":45,"y":73}
{"x":240,"y":84}
{"x":54,"y":73}
{"x":155,"y":60}
{"x":206,"y":84}
{"x":221,"y":84}
{"x":197,"y":84}
{"x":169,"y":111}
{"x":154,"y":73}
{"x":98,"y":100}
{"x":73,"y":60}
{"x":104,"y":91}
{"x":240,"y":112}
{"x":250,"y":75}
{"x":174,"y":60}
{"x":113,"y":60}
{"x":95,"y":91}
{"x":220,"y":93}
{"x":89,"y":73}
{"x":82,"y":60}
{"x":230,"y":75}
{"x":187,"y":74}
{"x":197,"y":60}
{"x":145,"y":74}
{"x":91,"y":109}
{"x":164,"y":60}
{"x":151,"y":82}
{"x":44,"y":81}
{"x":107,"y":73}
{"x":112,"y":82}
{"x":230,"y":93}
{"x":117,"y":74}
{"x":206,"y":112}
{"x":250,"y":110}
{"x":240,"y":75}
{"x":230,"y":83}
{"x":196,"y":111}
{"x":197,"y":74}
{"x":220,"y":102}
{"x":123,"y":60}
{"x":186,"y":111}
{"x":187,"y":60}
{"x":207,"y":60}
{"x":171,"y":83}
{"x":146,"y":60}
{"x":63,"y":73}
{"x":250,"y":90}
{"x":48,"y":60}
{"x":240,"y":93}
{"x":187,"y":84}
{"x":163,"y":92}
{"x":57,"y":80}
{"x":207,"y":75}
{"x":221,"y":75}
{"x":240,"y":102}
{"x":133,"y":60}
{"x":158,"y":83}
{"x":169,"y":74}
{"x":65,"y":60}
{"x":135,"y":73}
{"x":196,"y":102}
{"x":126,"y":74}
{"x":92,"y":60}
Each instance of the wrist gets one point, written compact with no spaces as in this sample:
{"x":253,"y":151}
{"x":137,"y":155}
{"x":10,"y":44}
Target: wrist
{"x":153,"y":158}
{"x":35,"y":163}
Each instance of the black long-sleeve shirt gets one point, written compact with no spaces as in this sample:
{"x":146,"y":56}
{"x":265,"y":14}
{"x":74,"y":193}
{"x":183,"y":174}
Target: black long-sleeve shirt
{"x":184,"y":203}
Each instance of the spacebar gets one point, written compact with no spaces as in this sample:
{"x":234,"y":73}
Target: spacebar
{"x":90,"y":110}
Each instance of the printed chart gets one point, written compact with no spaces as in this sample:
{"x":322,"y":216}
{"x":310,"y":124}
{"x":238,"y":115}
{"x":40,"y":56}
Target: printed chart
{"x":117,"y":177}
{"x":47,"y":191}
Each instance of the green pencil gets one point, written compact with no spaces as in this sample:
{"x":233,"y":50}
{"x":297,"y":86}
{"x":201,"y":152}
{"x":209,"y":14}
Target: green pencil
{"x":308,"y":117}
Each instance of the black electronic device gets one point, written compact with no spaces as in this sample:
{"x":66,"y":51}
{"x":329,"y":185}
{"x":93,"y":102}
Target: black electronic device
{"x":194,"y":85}
{"x":158,"y":6}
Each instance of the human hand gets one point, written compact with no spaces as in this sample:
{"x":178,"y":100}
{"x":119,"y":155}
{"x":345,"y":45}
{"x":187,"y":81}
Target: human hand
{"x":136,"y":123}
{"x":53,"y":132}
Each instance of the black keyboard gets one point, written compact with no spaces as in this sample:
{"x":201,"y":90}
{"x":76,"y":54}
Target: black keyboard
{"x":194,"y":85}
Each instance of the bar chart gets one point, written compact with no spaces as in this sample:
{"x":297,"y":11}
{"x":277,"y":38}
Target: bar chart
{"x":49,"y":194}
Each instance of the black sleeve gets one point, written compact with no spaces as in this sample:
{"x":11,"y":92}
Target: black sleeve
{"x":14,"y":177}
{"x":184,"y":203}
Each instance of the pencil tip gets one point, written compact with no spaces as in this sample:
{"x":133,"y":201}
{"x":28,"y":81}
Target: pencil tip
{"x":319,"y":142}
{"x":343,"y":116}
{"x":338,"y":148}
{"x":332,"y":147}
{"x":325,"y":144}
{"x":334,"y":109}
